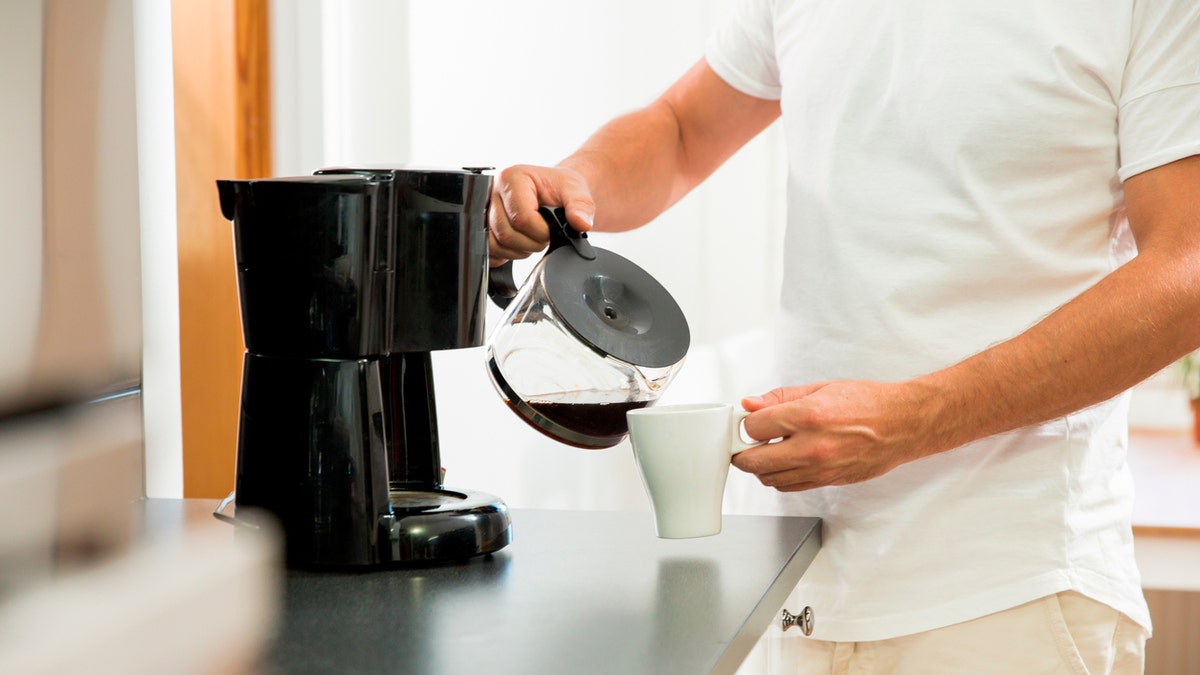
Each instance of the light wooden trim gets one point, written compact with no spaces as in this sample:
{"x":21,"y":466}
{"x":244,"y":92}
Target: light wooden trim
{"x":1171,"y":532}
{"x":253,"y":97}
{"x":222,"y":115}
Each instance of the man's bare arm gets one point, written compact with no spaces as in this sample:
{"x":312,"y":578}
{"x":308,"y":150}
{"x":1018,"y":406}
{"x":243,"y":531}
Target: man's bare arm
{"x":640,"y":164}
{"x":632,"y":168}
{"x":1135,"y":322}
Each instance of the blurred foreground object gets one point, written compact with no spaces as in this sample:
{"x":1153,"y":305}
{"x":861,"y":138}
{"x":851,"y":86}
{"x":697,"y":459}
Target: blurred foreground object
{"x":85,"y":588}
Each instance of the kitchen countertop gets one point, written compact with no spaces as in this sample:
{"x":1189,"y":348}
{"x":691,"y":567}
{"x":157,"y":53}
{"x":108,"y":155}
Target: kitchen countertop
{"x":576,"y":592}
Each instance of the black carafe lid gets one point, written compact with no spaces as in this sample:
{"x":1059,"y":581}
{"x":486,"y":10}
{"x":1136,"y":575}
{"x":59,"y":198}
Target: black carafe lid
{"x":610,"y":303}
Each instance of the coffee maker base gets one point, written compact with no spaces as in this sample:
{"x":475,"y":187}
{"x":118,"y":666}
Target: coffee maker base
{"x":428,"y":526}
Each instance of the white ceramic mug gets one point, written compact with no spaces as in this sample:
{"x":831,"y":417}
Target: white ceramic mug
{"x":683,"y":453}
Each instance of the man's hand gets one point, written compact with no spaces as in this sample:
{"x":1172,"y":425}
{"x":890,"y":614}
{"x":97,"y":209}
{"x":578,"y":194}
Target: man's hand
{"x":836,"y":433}
{"x":516,"y":230}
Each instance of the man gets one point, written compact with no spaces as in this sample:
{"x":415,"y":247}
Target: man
{"x":956,"y":329}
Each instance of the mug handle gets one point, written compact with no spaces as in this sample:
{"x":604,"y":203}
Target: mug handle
{"x":739,"y":416}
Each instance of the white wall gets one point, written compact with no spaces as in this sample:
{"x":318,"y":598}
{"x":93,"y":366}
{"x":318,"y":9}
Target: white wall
{"x":340,"y":84}
{"x":160,"y":257}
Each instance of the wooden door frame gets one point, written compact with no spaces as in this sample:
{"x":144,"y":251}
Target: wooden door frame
{"x":222,"y":130}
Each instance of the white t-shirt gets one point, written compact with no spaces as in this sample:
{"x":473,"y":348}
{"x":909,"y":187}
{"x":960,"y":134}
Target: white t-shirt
{"x":955,"y":175}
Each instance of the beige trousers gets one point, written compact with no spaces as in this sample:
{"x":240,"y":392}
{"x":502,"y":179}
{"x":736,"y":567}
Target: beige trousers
{"x":1063,"y":633}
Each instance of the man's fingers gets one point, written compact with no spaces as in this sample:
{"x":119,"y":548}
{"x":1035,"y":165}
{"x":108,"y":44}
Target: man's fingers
{"x":517,"y":229}
{"x":513,"y":243}
{"x":776,"y":467}
{"x":581,"y":212}
{"x":779,"y":395}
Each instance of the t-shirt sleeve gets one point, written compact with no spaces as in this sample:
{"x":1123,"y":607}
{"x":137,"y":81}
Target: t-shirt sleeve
{"x":742,"y":50}
{"x":1159,"y":118}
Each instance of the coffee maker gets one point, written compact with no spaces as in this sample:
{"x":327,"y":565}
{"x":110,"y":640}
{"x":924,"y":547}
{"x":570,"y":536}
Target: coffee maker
{"x":348,"y":280}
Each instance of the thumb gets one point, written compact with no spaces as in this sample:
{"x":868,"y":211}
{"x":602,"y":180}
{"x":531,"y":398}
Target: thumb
{"x":779,"y":395}
{"x":574,"y":195}
{"x":581,"y":213}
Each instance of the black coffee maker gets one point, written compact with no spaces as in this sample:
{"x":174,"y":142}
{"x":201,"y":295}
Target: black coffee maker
{"x":348,"y":279}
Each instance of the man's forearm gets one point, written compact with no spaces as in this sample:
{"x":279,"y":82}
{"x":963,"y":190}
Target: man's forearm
{"x":632,"y":166}
{"x":640,"y":164}
{"x":1129,"y":326}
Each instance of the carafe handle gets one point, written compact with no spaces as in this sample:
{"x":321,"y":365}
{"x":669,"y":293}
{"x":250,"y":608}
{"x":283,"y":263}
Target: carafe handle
{"x":501,"y":286}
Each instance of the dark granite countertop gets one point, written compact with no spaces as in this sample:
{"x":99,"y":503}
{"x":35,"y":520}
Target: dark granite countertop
{"x":576,"y":592}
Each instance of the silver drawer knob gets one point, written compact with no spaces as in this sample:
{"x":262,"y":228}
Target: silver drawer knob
{"x":804,"y":620}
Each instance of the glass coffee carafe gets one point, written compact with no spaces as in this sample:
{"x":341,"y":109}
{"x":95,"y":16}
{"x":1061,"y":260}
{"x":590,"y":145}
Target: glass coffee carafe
{"x":588,"y":337}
